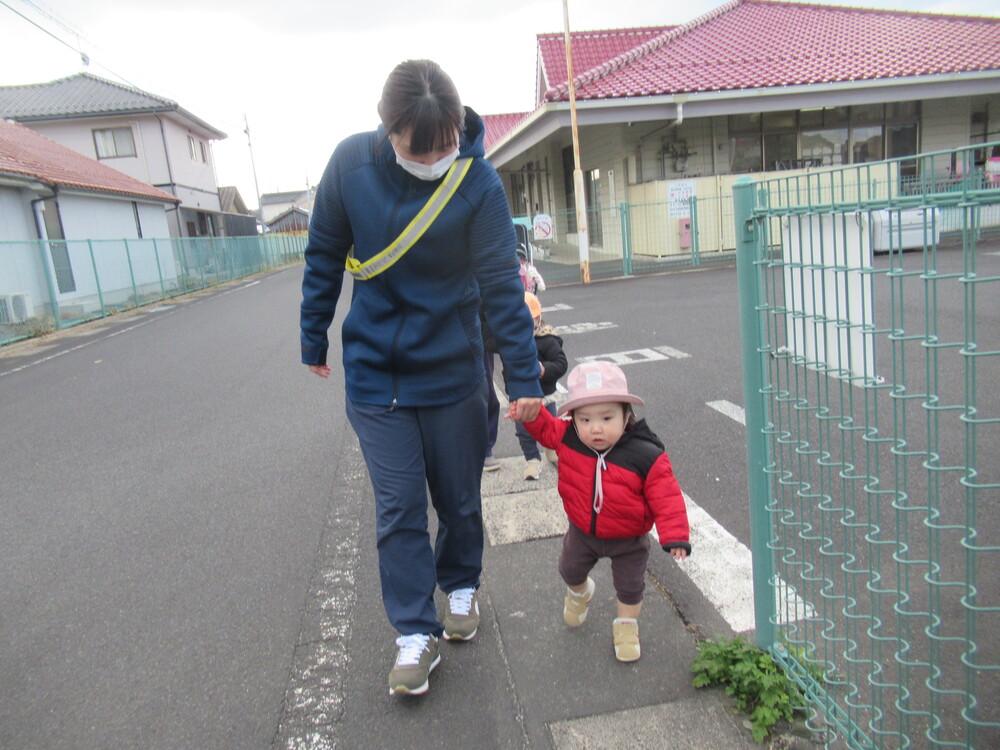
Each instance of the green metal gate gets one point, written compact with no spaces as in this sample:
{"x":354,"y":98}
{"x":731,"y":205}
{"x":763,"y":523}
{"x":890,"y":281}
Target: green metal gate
{"x":870,"y":317}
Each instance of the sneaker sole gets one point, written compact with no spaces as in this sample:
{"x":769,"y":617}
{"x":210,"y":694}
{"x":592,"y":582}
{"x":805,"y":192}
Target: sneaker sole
{"x":421,"y":689}
{"x":629,"y":658}
{"x":492,"y":468}
{"x":458,"y":636}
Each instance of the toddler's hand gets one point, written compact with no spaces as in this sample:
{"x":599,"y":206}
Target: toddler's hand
{"x":679,"y":553}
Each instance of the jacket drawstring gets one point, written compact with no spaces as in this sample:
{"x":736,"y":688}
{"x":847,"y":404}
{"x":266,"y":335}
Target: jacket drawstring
{"x":600,"y":466}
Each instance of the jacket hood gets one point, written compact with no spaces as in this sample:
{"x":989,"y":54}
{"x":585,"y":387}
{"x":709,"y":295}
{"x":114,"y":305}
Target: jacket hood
{"x":472,"y":138}
{"x":641,"y":431}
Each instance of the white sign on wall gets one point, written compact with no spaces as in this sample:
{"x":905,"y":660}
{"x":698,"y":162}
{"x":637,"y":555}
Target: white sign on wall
{"x":542,"y":226}
{"x":678,"y":194}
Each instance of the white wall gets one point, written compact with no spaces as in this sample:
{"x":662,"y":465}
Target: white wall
{"x":195,"y":179}
{"x":20,"y":259}
{"x":123,"y":269}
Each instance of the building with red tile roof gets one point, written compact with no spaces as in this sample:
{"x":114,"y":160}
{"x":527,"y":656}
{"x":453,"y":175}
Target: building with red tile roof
{"x":752,"y":86}
{"x":69,"y":214}
{"x":147,"y":136}
{"x":37,"y":159}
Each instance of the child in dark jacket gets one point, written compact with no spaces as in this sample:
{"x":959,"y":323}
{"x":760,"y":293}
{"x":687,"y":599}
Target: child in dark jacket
{"x":615,"y":481}
{"x":552,"y":366}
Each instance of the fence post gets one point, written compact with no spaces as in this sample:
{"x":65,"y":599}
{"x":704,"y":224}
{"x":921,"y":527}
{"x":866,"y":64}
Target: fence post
{"x":758,"y":460}
{"x":693,"y":229}
{"x":97,"y":278}
{"x":45,"y":251}
{"x":623,"y":213}
{"x":131,"y":273}
{"x":159,"y":270}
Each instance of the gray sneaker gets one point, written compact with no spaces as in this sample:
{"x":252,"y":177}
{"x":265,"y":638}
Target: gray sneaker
{"x":461,"y":615}
{"x":491,"y":464}
{"x":417,"y":657}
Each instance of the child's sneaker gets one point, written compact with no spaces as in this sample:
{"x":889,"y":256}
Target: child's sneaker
{"x":626,"y":631}
{"x":551,"y":457}
{"x":461,"y":615}
{"x":533,"y":469}
{"x":575,"y":605}
{"x":417,"y":657}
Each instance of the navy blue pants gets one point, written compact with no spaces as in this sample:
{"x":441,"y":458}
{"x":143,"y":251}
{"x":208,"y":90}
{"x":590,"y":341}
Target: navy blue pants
{"x":410,"y":451}
{"x":528,"y":445}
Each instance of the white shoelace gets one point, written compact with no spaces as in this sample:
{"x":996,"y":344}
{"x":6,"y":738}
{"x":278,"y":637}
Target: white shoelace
{"x":410,"y":648}
{"x":460,"y":601}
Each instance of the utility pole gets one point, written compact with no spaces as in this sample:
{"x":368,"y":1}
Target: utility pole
{"x":578,"y":189}
{"x":253,"y":166}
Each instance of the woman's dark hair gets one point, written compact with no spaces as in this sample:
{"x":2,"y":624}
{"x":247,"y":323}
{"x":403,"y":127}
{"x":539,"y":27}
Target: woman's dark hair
{"x":420,"y":97}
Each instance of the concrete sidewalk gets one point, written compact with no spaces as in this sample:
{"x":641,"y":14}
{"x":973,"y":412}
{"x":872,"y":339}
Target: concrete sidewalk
{"x":526,"y":681}
{"x":574,"y":693}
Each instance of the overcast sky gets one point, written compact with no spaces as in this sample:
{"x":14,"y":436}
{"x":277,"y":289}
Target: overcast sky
{"x":307,"y":73}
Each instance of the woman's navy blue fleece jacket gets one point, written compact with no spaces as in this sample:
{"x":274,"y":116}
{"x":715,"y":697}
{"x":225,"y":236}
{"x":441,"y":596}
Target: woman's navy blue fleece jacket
{"x":412,"y":336}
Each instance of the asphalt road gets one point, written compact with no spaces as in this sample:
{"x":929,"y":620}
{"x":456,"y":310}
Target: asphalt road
{"x":178,"y":493}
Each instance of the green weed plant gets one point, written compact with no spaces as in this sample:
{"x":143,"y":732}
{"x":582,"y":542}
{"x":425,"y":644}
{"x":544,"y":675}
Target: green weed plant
{"x":759,"y":687}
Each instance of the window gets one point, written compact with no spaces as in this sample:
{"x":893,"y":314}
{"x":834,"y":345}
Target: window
{"x":745,"y":153}
{"x":113,"y":142}
{"x":191,"y":149}
{"x":204,"y":151}
{"x":780,"y":150}
{"x":867,"y":143}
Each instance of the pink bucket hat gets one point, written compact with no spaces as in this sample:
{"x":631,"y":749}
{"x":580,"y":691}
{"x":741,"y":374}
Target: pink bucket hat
{"x":597,"y":383}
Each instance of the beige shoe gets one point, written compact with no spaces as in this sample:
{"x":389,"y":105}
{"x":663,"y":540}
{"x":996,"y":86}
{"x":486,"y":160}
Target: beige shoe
{"x":575,"y":605}
{"x":626,"y":631}
{"x":550,"y":456}
{"x":533,"y":469}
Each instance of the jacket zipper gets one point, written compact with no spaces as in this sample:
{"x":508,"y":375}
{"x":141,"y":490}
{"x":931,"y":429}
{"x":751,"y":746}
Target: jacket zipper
{"x":394,"y":403}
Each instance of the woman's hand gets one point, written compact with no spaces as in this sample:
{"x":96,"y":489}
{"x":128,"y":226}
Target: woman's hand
{"x":322,"y":370}
{"x":524,"y":409}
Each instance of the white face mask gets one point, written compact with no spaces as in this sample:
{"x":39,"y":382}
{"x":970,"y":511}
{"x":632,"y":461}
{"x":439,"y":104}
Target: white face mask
{"x":427,"y":171}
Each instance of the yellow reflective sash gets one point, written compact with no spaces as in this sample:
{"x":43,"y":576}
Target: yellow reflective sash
{"x":414,"y":230}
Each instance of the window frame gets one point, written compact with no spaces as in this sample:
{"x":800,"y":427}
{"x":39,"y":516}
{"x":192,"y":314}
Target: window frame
{"x":102,"y":143}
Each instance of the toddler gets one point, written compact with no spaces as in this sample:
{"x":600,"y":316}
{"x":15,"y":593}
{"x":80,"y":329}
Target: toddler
{"x":615,"y":480}
{"x":552,"y":365}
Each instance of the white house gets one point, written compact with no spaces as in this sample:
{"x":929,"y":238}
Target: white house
{"x":66,"y":221}
{"x":148,"y":137}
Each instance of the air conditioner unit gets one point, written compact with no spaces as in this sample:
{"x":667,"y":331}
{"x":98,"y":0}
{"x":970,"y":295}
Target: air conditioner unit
{"x":14,"y":308}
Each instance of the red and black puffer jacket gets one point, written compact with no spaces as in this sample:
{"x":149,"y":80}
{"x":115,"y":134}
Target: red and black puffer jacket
{"x":636,"y":480}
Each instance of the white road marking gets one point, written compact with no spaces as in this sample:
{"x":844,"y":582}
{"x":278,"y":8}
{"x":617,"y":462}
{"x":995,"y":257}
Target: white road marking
{"x":634,"y":356}
{"x":584,"y":328}
{"x":722,"y":567}
{"x":730,"y":409}
{"x":554,"y":308}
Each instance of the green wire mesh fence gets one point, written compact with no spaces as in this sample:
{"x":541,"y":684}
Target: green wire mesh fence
{"x":870,"y":312}
{"x":46,"y":285}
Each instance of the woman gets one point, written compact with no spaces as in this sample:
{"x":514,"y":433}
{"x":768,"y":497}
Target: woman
{"x":412,"y":346}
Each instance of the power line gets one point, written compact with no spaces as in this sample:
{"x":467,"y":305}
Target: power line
{"x":42,"y":28}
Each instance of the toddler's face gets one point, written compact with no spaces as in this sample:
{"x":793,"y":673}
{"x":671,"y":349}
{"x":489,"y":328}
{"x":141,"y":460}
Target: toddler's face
{"x":600,"y":426}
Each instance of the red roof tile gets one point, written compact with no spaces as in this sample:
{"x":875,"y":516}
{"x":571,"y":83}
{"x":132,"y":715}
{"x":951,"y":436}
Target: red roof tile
{"x":25,"y":152}
{"x":590,"y":49}
{"x":499,"y":125}
{"x":762,"y":43}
